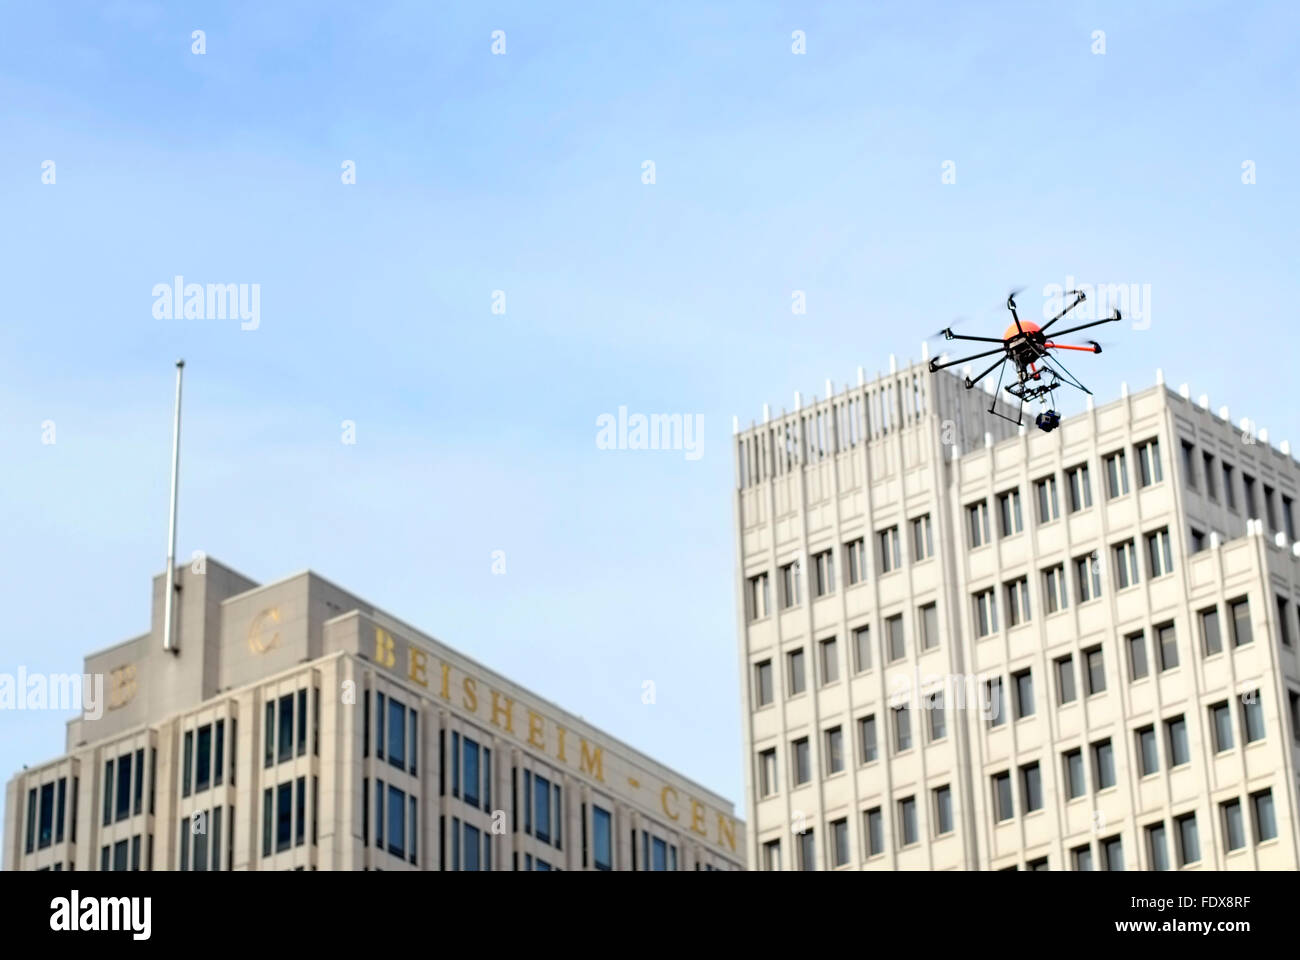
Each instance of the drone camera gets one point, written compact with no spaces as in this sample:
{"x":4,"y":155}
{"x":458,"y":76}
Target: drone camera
{"x":1048,"y":420}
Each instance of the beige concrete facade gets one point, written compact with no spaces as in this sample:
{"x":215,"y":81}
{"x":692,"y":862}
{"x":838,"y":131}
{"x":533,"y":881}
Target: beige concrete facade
{"x":299,"y":727}
{"x":1133,"y":612}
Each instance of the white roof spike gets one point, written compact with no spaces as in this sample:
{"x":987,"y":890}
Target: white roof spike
{"x":1160,"y":375}
{"x":1089,"y":401}
{"x":1204,"y":401}
{"x":1280,"y":539}
{"x":1263,"y":434}
{"x":1184,"y":391}
{"x":925,"y":351}
{"x":988,"y":439}
{"x":767,"y":413}
{"x":1214,"y":539}
{"x":862,"y":376}
{"x":1223,"y":413}
{"x":893,"y":364}
{"x":1123,"y":388}
{"x":1023,"y":430}
{"x":798,"y":402}
{"x":735,"y":424}
{"x":830,"y":390}
{"x":990,"y":387}
{"x":1295,"y":548}
{"x":1285,"y":447}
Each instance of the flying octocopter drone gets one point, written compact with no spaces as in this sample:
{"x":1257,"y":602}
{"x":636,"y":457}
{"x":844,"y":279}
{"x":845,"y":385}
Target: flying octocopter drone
{"x":1026,"y":346}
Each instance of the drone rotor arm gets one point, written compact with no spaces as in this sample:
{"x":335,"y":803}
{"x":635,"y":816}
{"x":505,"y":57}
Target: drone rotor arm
{"x":936,"y":366}
{"x":1084,"y":326}
{"x":1078,"y":299}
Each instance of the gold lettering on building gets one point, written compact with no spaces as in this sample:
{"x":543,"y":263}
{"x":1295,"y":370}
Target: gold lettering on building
{"x":559,"y":754}
{"x":446,"y":680}
{"x":471,"y":695}
{"x":535,"y":730}
{"x":727,"y":831}
{"x":121,"y":686}
{"x":697,"y":818}
{"x":663,"y":800}
{"x":384,"y":648}
{"x":418,"y":664}
{"x":262,"y":632}
{"x":498,"y":710}
{"x":593,"y":763}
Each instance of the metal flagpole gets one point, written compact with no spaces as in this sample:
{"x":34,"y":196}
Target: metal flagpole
{"x":169,"y":594}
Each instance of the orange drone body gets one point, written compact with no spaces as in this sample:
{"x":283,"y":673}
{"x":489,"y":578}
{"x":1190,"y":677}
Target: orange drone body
{"x":1014,"y":331}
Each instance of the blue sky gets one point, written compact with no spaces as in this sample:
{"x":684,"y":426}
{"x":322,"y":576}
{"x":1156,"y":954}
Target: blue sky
{"x":476,"y":432}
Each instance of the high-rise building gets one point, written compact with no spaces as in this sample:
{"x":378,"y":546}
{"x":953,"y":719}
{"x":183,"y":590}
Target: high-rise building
{"x":970,"y":646}
{"x":296,"y":727}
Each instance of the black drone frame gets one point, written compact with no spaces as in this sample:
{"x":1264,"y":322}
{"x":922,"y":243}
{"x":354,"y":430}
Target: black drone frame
{"x":1037,"y":373}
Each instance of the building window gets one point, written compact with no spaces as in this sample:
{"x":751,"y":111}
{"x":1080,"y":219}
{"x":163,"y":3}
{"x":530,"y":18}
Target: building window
{"x":938,"y":720}
{"x":1189,"y":841}
{"x":1157,"y":849}
{"x":396,"y":733}
{"x":1179,"y":753}
{"x":1229,"y":491}
{"x":1096,"y":670}
{"x":602,"y":842}
{"x":1284,"y":621}
{"x":1031,"y":788}
{"x":1065,"y":692}
{"x":1148,"y":458}
{"x":1189,"y":464}
{"x":1292,"y":696}
{"x":807,"y":851}
{"x":922,"y":538}
{"x":763,"y":682}
{"x":1054,"y":588}
{"x":1167,"y":645}
{"x":767,"y":771}
{"x":928,"y":623}
{"x":986,"y":613}
{"x":1003,"y":807}
{"x":1103,"y":764}
{"x":1211,"y":640}
{"x":1240,"y":611}
{"x":1234,"y":832}
{"x":123,"y":786}
{"x":890,"y":558}
{"x":894,"y":631}
{"x":791,"y":585}
{"x":830,"y":662}
{"x":772,"y":855}
{"x":1288,"y":517}
{"x":834,"y":750}
{"x":1112,"y":853}
{"x":907,"y":819}
{"x":902,"y":729}
{"x":1159,"y":557}
{"x":824,"y":567}
{"x":1198,"y":540}
{"x":977,"y":515}
{"x":61,"y":814}
{"x":856,"y":552}
{"x":1009,"y":513}
{"x":302,"y":721}
{"x":1126,"y":564}
{"x":187,"y":765}
{"x":1023,"y":682}
{"x":840,"y":842}
{"x":1208,"y":462}
{"x":1082,"y":857}
{"x":993,"y":692}
{"x":1116,"y":475}
{"x":1248,"y":494}
{"x":942,"y":811}
{"x":757,"y":597}
{"x":47,"y":816}
{"x":1017,"y":592}
{"x":1221,"y":726}
{"x":1088,"y":577}
{"x":1261,"y":806}
{"x":1137,"y":655}
{"x":31,"y":821}
{"x":1049,"y":506}
{"x":541,"y":808}
{"x":284,"y":817}
{"x":1079,"y":487}
{"x":875,"y":832}
{"x":1252,"y":716}
{"x":203,"y":761}
{"x":867,"y":738}
{"x":285,"y":728}
{"x":794,"y":669}
{"x":802,"y":761}
{"x":1269,"y":510}
{"x":1148,"y":755}
{"x":470,"y":767}
{"x":862,"y":648}
{"x":1075,"y":786}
